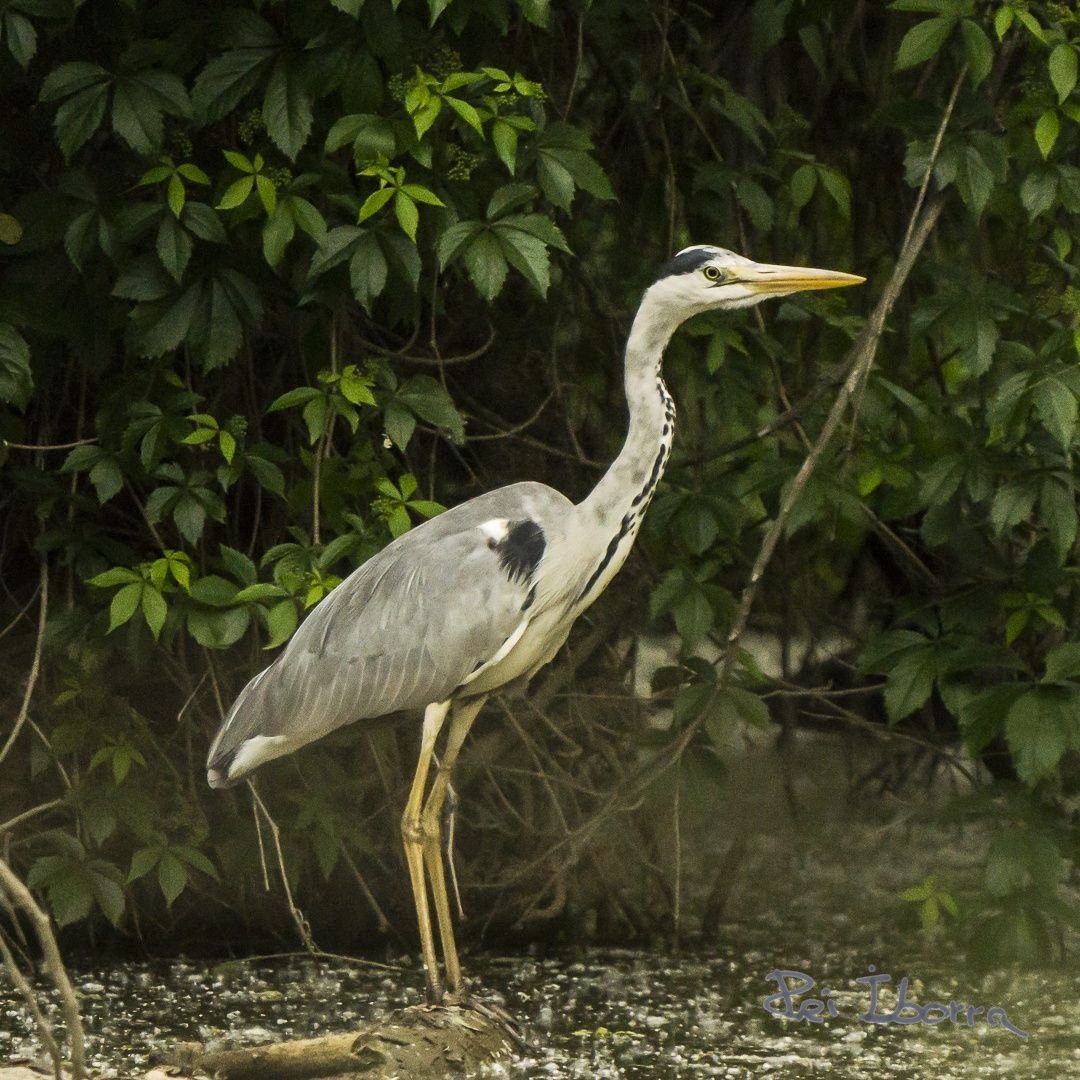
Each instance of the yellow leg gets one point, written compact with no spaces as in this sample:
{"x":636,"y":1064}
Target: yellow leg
{"x":431,"y":827}
{"x":413,"y":839}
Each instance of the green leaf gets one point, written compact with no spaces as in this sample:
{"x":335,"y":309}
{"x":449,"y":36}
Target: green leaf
{"x":79,"y":117}
{"x":399,"y":424}
{"x":228,"y":78}
{"x":983,"y":716}
{"x":16,"y":380}
{"x":173,"y":246}
{"x":260,"y":591}
{"x":467,"y":113}
{"x":371,"y":137}
{"x":408,"y":216}
{"x":1016,"y":623}
{"x":172,"y":877}
{"x":287,"y":107}
{"x":201,"y":221}
{"x":1012,"y":504}
{"x":756,"y":202}
{"x":1063,"y":662}
{"x":504,"y":137}
{"x":922,"y":41}
{"x":910,"y":682}
{"x":428,"y":399}
{"x":555,"y":180}
{"x":453,"y":238}
{"x":1038,"y":192}
{"x":374,"y":203}
{"x":355,"y":387}
{"x":748,"y":706}
{"x":693,"y":617}
{"x":70,"y":78}
{"x":124,"y":604}
{"x":486,"y":264}
{"x":176,"y":196}
{"x":218,"y":629}
{"x":317,"y":414}
{"x":190,"y":517}
{"x":1003,"y":20}
{"x":227,"y":445}
{"x":367,"y":270}
{"x":143,"y":860}
{"x":836,"y":184}
{"x":267,"y":474}
{"x":1063,"y":71}
{"x":1057,"y":513}
{"x":194,"y":857}
{"x":167,"y":332}
{"x":803,"y":182}
{"x":281,"y":621}
{"x":1047,"y":129}
{"x":236,"y":193}
{"x":308,"y":218}
{"x":21,"y":38}
{"x":300,"y":396}
{"x":1057,"y":409}
{"x":526,"y":254}
{"x":136,"y":115}
{"x":977,"y":49}
{"x":118,"y":575}
{"x":154,"y":610}
{"x":277,"y":234}
{"x":1037,"y":729}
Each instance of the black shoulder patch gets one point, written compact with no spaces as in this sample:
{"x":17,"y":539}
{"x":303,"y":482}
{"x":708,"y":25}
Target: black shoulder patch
{"x":687,"y":262}
{"x":520,"y":553}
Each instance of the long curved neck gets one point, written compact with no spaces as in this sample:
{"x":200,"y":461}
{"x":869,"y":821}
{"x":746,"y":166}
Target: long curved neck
{"x":613,"y":510}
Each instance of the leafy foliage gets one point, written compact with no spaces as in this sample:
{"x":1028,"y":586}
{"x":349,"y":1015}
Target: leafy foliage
{"x":291,"y":277}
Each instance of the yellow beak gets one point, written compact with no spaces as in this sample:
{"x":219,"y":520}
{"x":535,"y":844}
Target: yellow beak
{"x":779,"y":280}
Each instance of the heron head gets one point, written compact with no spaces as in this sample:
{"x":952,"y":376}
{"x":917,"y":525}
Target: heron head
{"x":706,"y":278}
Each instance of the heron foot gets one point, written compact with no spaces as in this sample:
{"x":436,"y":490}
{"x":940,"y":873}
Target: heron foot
{"x":463,"y":999}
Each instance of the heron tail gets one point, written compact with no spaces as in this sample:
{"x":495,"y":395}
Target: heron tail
{"x":239,"y":747}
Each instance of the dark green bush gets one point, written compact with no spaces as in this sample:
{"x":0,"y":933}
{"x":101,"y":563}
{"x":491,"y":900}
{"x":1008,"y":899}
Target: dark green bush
{"x":281,"y":279}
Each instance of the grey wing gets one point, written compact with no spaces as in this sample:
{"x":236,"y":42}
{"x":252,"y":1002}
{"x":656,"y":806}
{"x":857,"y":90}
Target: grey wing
{"x":404,"y":630}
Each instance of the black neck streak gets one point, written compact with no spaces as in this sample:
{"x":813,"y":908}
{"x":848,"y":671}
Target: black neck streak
{"x":631,"y":520}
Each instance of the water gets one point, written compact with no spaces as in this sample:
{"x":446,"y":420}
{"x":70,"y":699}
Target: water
{"x":823,"y":901}
{"x":596,"y":1013}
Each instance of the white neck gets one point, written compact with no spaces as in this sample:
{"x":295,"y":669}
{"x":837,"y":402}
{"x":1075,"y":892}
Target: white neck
{"x":609,"y":517}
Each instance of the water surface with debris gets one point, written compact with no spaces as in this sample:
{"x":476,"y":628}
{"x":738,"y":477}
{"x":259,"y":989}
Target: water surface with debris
{"x":695,"y":1011}
{"x":817,"y":892}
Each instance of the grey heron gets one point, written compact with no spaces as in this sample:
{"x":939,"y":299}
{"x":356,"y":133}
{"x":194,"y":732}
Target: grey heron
{"x":485,"y":594}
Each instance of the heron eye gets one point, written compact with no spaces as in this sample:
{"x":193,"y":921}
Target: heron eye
{"x":712,"y":273}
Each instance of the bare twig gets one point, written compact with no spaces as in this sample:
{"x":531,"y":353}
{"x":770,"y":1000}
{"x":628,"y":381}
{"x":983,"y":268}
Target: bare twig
{"x":26,"y":815}
{"x":299,"y":917}
{"x":369,"y":896}
{"x":46,"y":446}
{"x":35,"y":664}
{"x":22,"y":984}
{"x":21,"y":897}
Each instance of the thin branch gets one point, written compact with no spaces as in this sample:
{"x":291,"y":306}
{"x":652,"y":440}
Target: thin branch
{"x":302,"y":925}
{"x":26,"y":815}
{"x":22,"y":984}
{"x":20,"y":896}
{"x":46,"y":446}
{"x":35,"y":664}
{"x":20,"y":614}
